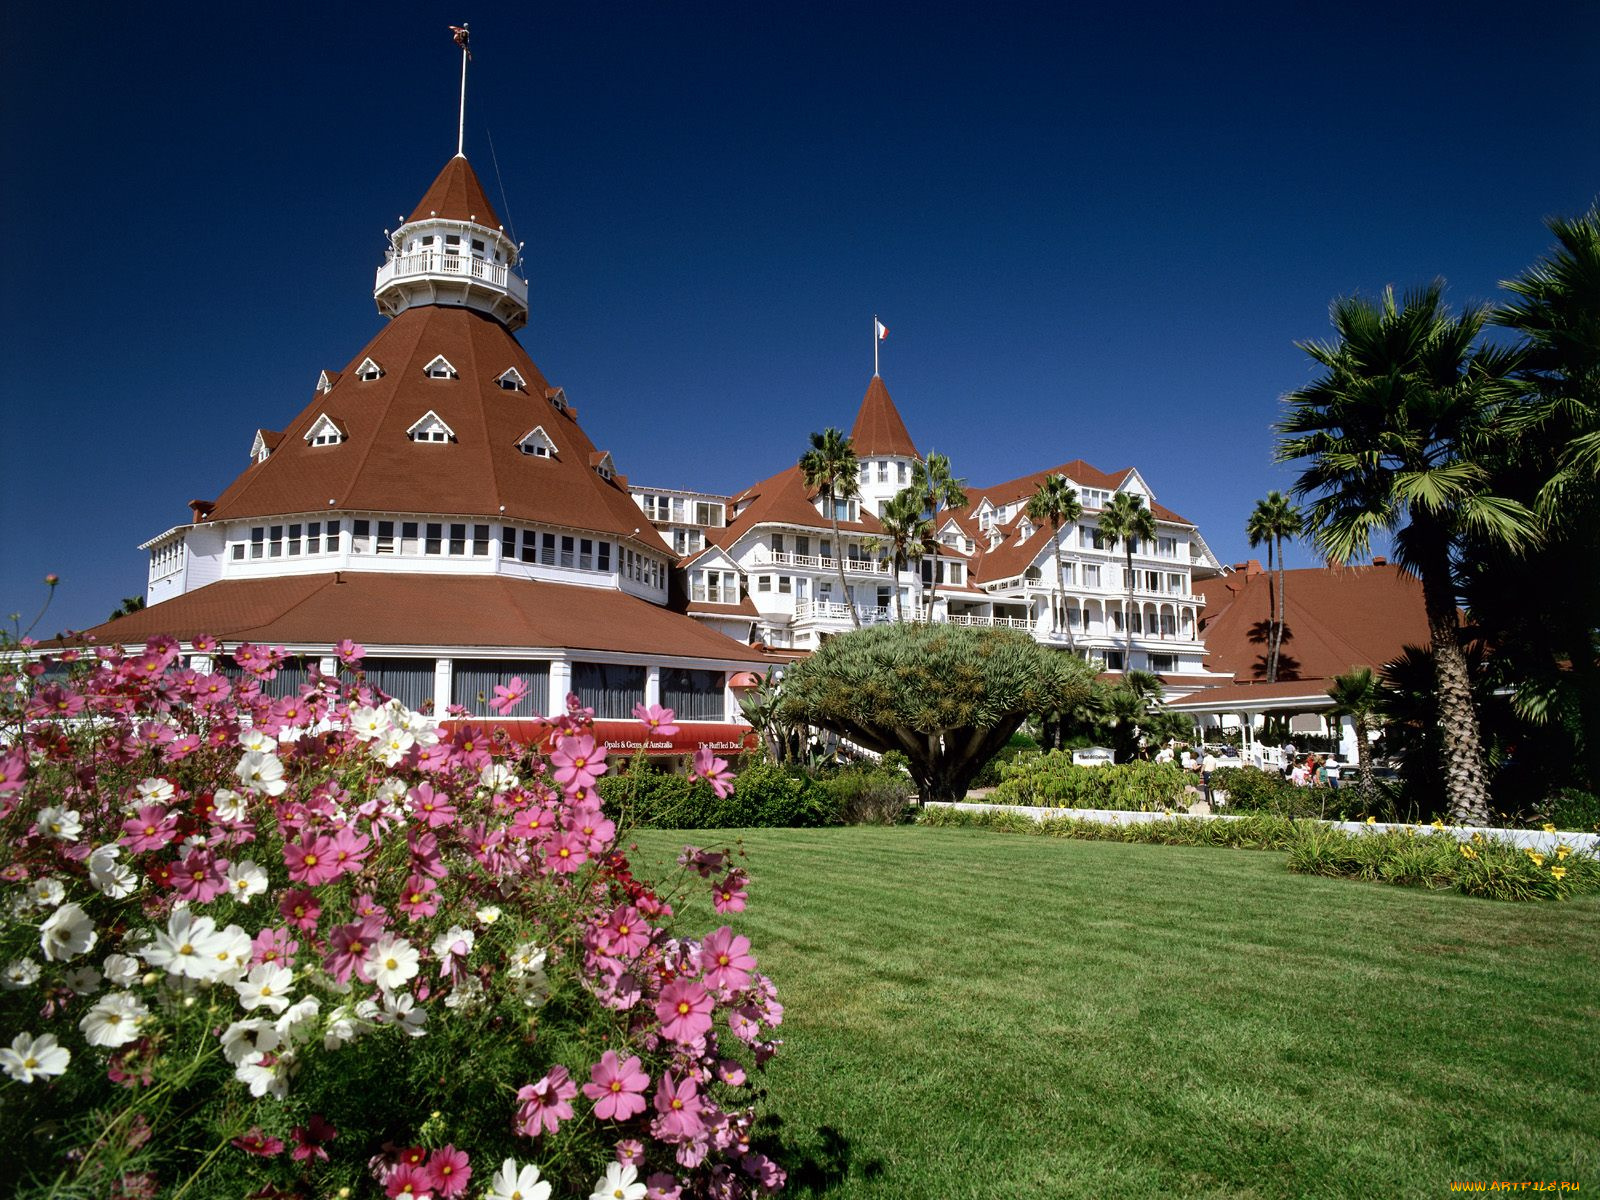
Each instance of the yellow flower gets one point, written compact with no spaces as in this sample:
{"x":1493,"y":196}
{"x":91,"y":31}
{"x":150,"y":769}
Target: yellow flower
{"x":1549,"y":828}
{"x":1563,"y":850}
{"x":1538,"y":859}
{"x":1558,"y":873}
{"x":1467,"y":851}
{"x":1372,"y":820}
{"x":1437,"y":823}
{"x":1477,"y":837}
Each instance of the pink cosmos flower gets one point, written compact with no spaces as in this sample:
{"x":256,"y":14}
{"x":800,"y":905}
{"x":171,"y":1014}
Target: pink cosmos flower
{"x":663,"y":1186}
{"x":425,"y":858}
{"x":13,"y":769}
{"x":418,"y":898}
{"x":300,"y":908}
{"x":181,"y":748}
{"x":596,"y":831}
{"x":684,"y":1009}
{"x":431,"y":809}
{"x":469,"y":747}
{"x":409,"y":1181}
{"x":308,"y":1139}
{"x":726,"y":961}
{"x":729,"y":895}
{"x":546,"y":1104}
{"x":350,"y":849}
{"x":626,"y":932}
{"x":450,"y":1169}
{"x":348,"y":652}
{"x":566,"y":853}
{"x":310,"y":860}
{"x":151,"y":828}
{"x":679,"y":1108}
{"x":348,"y":948}
{"x":365,"y":906}
{"x":201,"y":876}
{"x":659,"y":721}
{"x":577,"y":763}
{"x":713,"y":770}
{"x":509,"y":696}
{"x":630,"y":1152}
{"x":255,"y":1141}
{"x":273,"y":945}
{"x":617,"y":1087}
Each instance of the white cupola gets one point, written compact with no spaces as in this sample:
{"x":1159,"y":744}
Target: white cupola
{"x":453,"y":251}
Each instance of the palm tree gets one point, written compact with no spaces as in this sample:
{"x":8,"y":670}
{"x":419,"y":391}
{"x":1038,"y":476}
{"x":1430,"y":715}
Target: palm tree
{"x":939,"y":489}
{"x":907,"y":532}
{"x":1389,"y":434}
{"x":1355,"y":695}
{"x":130,"y":605}
{"x":1056,"y":503}
{"x":1128,"y":521}
{"x":830,"y":468}
{"x":1274,"y":519}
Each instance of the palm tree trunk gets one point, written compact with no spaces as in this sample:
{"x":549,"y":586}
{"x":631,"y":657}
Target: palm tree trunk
{"x":1127,"y":613}
{"x":1283,"y":612}
{"x":1369,"y":786}
{"x":899,"y":604}
{"x":838,"y":561}
{"x":1465,"y":780}
{"x":1272,"y":620}
{"x":1061,"y":567}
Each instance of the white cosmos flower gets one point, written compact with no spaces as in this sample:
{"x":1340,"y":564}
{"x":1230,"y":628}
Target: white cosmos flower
{"x":62,"y":824}
{"x":535,"y":989}
{"x":82,"y":980}
{"x":456,"y":941}
{"x":254,"y":1035}
{"x":120,"y":969}
{"x":264,"y":1075}
{"x":152,"y":791}
{"x":489,"y":915}
{"x":401,"y":1011}
{"x":267,"y":986}
{"x":29,"y":1058}
{"x":188,"y":947}
{"x":231,"y":806}
{"x":298,"y":1019}
{"x":618,"y":1183}
{"x":67,"y":933}
{"x":46,"y":891}
{"x":246,"y":879}
{"x":24,"y":972}
{"x":343,"y":1027}
{"x":261,"y":772}
{"x":114,"y":1019}
{"x":393,"y":962}
{"x":110,"y":877}
{"x":466,"y":995}
{"x":511,"y":1184}
{"x":526,"y":959}
{"x":369,"y":724}
{"x":497,"y":777}
{"x":393,"y":746}
{"x":253,"y":741}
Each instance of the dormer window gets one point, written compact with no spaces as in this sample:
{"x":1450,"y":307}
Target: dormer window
{"x":1025,"y":530}
{"x":440,"y":368}
{"x":368,"y":370}
{"x":603,"y":466}
{"x":325,"y":383}
{"x":261,"y":448}
{"x":537,"y":443}
{"x":325,"y":431}
{"x":557,"y":397}
{"x":431,"y":428}
{"x":511,"y":380}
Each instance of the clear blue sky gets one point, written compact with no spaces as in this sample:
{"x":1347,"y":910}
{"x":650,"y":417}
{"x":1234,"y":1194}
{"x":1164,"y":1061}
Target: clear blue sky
{"x":1092,"y":232}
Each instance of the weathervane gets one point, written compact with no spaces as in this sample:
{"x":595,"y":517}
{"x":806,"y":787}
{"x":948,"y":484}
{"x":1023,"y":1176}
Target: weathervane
{"x":462,"y":39}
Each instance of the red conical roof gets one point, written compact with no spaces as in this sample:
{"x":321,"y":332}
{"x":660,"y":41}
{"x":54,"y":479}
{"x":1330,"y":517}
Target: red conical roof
{"x":456,"y":195}
{"x":878,"y":428}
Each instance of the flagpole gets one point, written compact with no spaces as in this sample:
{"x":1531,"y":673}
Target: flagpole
{"x":461,"y":127}
{"x":874,"y":345}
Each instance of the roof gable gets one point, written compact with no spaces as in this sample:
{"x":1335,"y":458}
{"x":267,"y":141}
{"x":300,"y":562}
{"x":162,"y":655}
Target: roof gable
{"x":878,"y":430}
{"x":456,"y":195}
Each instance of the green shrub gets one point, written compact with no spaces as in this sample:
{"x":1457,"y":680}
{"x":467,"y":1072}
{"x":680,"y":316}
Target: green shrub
{"x":990,"y":774}
{"x":764,"y":796}
{"x":870,"y":795}
{"x":1573,"y":809}
{"x":1051,"y":781}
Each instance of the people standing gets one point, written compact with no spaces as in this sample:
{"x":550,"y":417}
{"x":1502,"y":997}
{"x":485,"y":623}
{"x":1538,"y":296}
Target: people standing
{"x":1208,"y":764}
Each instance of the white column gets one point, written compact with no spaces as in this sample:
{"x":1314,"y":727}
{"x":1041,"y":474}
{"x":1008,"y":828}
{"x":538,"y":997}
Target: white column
{"x":560,"y":685}
{"x":652,"y":685}
{"x":441,"y":685}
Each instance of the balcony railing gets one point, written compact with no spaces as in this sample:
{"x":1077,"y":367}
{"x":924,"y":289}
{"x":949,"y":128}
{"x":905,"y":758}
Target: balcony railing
{"x":828,"y":610}
{"x":852,"y":566}
{"x":457,"y":266}
{"x":990,"y":622}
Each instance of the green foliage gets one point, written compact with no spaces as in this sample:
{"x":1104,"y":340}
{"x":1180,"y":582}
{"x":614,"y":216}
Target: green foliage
{"x":946,"y":696}
{"x":1051,"y":781}
{"x":764,"y":796}
{"x":1571,"y":808}
{"x":1250,"y":789}
{"x":989,"y":774}
{"x":875,"y":795}
{"x":1259,"y":832}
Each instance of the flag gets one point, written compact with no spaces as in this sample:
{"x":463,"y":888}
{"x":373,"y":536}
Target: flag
{"x":461,"y":37}
{"x":883,"y":330}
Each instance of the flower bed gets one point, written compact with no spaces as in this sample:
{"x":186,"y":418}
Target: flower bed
{"x":279,"y":947}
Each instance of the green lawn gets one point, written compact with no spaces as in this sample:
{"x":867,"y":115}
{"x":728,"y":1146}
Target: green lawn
{"x":977,"y":1015}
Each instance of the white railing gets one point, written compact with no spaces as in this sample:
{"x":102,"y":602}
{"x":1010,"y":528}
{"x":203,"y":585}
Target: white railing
{"x":852,"y":566}
{"x":829,"y":610}
{"x":462,"y":266}
{"x":992,"y":622}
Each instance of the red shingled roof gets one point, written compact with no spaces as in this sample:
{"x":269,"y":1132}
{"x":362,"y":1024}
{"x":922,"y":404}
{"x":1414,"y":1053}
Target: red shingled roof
{"x":784,"y":499}
{"x":878,"y":428}
{"x":1078,"y":471}
{"x":379,"y":469}
{"x":425,"y":610}
{"x":456,"y":195}
{"x":1337,"y":618}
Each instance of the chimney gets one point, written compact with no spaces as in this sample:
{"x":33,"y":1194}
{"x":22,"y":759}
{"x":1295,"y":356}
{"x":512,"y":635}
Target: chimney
{"x":1379,"y":560}
{"x":199,"y":510}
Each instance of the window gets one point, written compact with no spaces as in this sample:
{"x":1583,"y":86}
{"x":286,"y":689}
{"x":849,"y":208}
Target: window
{"x":324,"y":432}
{"x":547,"y":550}
{"x":785,"y":584}
{"x":385,"y":537}
{"x":866,"y":472}
{"x":431,"y":428}
{"x":508,"y":543}
{"x":568,"y":549}
{"x":434,"y":543}
{"x":763,"y":583}
{"x":693,"y":695}
{"x":1175,"y":584}
{"x":370,"y":370}
{"x":324,"y":383}
{"x":275,"y":542}
{"x":585,"y":554}
{"x":1113,"y":660}
{"x":883,"y":472}
{"x":458,"y":539}
{"x":333,"y":537}
{"x":530,"y":546}
{"x":1163,"y":662}
{"x":294,"y":538}
{"x":537,"y":443}
{"x":844,"y":510}
{"x":902,"y":474}
{"x":610,"y":689}
{"x":511,"y":380}
{"x":314,"y":538}
{"x":1091,"y":575}
{"x":602,"y":557}
{"x":706,"y":513}
{"x":439,"y":368}
{"x":480,"y":540}
{"x":557,"y":397}
{"x":408,"y":680}
{"x":1167,"y":547}
{"x":408,"y":537}
{"x":605,"y":468}
{"x":777,"y":543}
{"x":359,"y":532}
{"x":716,"y":587}
{"x":473,"y":682}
